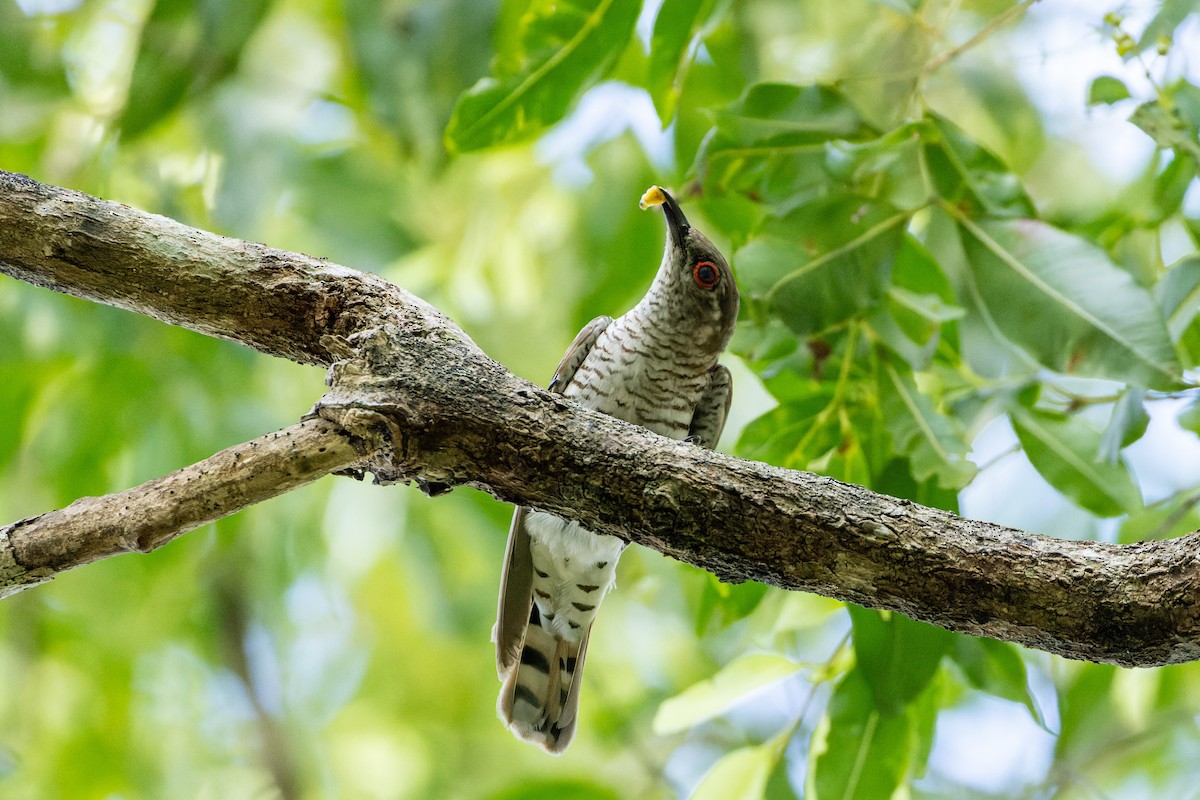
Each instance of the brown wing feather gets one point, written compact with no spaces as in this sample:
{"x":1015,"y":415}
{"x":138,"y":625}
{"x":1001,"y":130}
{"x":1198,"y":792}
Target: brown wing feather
{"x":577,"y":352}
{"x":516,"y":595}
{"x":708,"y":419}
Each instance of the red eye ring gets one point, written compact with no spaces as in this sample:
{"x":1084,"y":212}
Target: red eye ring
{"x":706,"y":274}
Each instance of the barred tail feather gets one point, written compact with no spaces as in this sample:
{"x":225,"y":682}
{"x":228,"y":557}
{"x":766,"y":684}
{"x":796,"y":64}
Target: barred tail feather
{"x":540,"y":695}
{"x":555,"y":576}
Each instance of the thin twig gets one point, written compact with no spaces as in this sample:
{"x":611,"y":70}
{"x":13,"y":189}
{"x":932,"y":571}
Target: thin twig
{"x":987,"y":30}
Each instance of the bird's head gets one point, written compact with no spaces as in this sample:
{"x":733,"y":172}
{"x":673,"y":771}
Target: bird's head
{"x":694,"y":275}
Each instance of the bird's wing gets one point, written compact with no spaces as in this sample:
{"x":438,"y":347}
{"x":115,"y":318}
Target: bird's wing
{"x":577,"y":352}
{"x":516,"y":595}
{"x":708,"y":420}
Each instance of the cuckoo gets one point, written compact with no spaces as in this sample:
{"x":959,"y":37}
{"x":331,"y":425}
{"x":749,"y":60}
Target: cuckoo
{"x":655,"y":366}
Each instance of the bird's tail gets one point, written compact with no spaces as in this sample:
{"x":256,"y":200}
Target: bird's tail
{"x":540,"y":695}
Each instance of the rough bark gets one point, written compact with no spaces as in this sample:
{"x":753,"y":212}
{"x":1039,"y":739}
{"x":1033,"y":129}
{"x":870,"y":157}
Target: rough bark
{"x":414,"y":398}
{"x":141,"y":519}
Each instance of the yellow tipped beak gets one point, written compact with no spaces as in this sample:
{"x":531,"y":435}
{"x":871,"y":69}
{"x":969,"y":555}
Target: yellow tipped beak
{"x":654,"y":196}
{"x":677,"y":224}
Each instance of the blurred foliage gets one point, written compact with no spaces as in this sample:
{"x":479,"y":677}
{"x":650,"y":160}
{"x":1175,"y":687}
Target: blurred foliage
{"x":947,"y":296}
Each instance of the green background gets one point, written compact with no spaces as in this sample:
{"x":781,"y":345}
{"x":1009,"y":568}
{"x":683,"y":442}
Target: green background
{"x":934,"y":254}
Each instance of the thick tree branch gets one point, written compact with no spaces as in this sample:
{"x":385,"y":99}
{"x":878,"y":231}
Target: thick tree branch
{"x":421,"y":401}
{"x":286,"y":304}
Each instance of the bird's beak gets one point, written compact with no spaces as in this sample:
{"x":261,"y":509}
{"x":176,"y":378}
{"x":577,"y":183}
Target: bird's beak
{"x":677,"y":224}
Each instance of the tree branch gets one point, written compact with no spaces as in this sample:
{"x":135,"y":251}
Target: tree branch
{"x":146,"y":517}
{"x":285,"y":304}
{"x":418,"y":399}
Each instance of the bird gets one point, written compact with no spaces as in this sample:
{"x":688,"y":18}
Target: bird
{"x":654,"y":366}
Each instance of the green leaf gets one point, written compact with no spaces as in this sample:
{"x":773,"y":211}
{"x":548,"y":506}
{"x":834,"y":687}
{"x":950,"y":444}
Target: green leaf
{"x":823,"y":263}
{"x":676,"y":28}
{"x":790,"y":435}
{"x":923,"y":715}
{"x":716,"y":695}
{"x":1185,"y":96}
{"x":771,"y":346}
{"x":734,"y":216}
{"x":1188,"y":417}
{"x":1192,"y":226}
{"x":996,"y":668}
{"x":1085,"y":710}
{"x":409,"y":66}
{"x":934,"y":442}
{"x":1063,"y":301}
{"x":969,"y":176}
{"x":1178,"y":295}
{"x":1177,"y":516}
{"x":568,"y":46}
{"x":1167,"y":128}
{"x":896,"y":479}
{"x":1127,"y":424}
{"x":886,"y":169}
{"x":918,"y":272}
{"x":726,"y":603}
{"x":909,"y":324}
{"x":186,"y":48}
{"x":739,"y":775}
{"x":20,"y":382}
{"x":981,"y":342}
{"x":1170,"y":15}
{"x":847,"y":460}
{"x":1106,"y":90}
{"x":26,"y":75}
{"x":858,"y":751}
{"x":1063,"y":450}
{"x":918,"y":304}
{"x":771,"y":143}
{"x":1170,"y":188}
{"x":897,"y":656}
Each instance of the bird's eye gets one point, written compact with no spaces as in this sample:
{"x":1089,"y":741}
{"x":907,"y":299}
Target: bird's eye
{"x":706,"y":274}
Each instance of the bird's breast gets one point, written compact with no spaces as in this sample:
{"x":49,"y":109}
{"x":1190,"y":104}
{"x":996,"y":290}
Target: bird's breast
{"x":649,"y":378}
